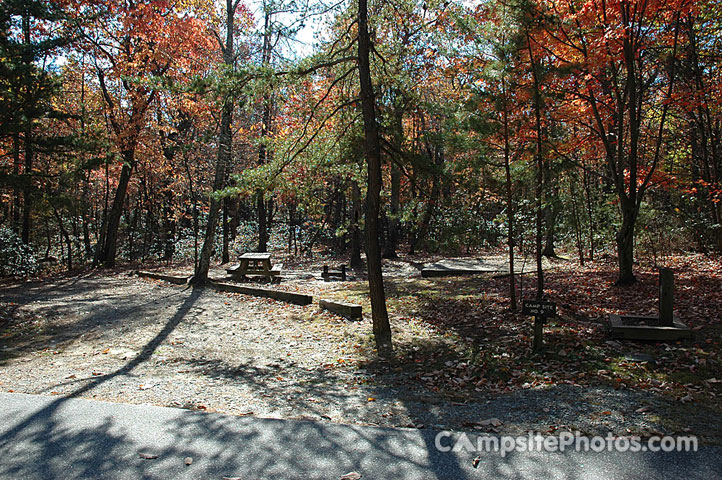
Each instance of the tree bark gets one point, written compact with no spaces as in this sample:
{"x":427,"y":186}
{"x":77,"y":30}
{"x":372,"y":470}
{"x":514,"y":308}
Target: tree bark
{"x":372,"y":144}
{"x":423,"y":227}
{"x":355,"y":260}
{"x":265,"y":127}
{"x":625,"y":243}
{"x":225,"y":257}
{"x":393,"y":218}
{"x":225,"y":137}
{"x":509,"y":201}
{"x":107,"y":257}
{"x":540,"y":169}
{"x":262,"y":222}
{"x":27,"y":140}
{"x":550,"y":221}
{"x":16,"y":190}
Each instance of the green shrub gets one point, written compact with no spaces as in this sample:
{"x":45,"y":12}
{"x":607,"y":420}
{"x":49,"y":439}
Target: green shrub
{"x":16,"y":258}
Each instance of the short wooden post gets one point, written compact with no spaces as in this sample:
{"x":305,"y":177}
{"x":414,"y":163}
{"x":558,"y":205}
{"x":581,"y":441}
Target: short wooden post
{"x":325,"y":273}
{"x":666,"y":297}
{"x":540,"y":310}
{"x":538,"y":344}
{"x":343,"y":273}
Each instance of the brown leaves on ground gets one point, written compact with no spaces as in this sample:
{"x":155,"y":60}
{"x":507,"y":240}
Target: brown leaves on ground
{"x":480,"y":345}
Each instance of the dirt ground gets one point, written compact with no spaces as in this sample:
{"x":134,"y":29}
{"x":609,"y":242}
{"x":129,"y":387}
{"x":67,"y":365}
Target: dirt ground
{"x":117,"y":337}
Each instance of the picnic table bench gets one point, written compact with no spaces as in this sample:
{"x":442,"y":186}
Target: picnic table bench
{"x":255,"y":263}
{"x":328,"y":274}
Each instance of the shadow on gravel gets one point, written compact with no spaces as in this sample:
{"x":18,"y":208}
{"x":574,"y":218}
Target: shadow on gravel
{"x":72,"y":307}
{"x":40,"y":428}
{"x":309,"y":397}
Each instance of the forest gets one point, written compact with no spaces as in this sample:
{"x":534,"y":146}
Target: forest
{"x":320,"y":217}
{"x":192,"y":131}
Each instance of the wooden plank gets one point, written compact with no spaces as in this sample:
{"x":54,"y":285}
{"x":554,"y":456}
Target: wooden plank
{"x":348,"y":310}
{"x":288,"y":297}
{"x":168,"y":278}
{"x":255,"y":256}
{"x":442,"y":271}
{"x":658,"y":333}
{"x":666,"y":297}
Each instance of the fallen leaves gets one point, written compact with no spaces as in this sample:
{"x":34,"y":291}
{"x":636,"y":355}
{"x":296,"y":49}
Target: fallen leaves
{"x":494,"y":422}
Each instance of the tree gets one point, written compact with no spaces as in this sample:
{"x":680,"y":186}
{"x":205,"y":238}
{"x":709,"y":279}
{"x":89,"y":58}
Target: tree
{"x":622,"y":57}
{"x":372,"y":147}
{"x":32,"y":33}
{"x":135,"y":47}
{"x":225,"y":138}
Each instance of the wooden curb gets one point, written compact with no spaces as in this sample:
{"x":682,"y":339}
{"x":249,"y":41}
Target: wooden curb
{"x":431,"y":272}
{"x":347,"y":310}
{"x":168,"y":278}
{"x":289,"y":297}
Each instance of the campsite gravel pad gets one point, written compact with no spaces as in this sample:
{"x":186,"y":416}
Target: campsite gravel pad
{"x":119,"y":338}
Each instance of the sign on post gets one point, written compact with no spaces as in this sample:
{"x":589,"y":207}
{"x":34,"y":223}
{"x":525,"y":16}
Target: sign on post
{"x":541,"y":310}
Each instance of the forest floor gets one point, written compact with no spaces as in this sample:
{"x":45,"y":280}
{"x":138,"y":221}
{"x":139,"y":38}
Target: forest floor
{"x":462,"y":359}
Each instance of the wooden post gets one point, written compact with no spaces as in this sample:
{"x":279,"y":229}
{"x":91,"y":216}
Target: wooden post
{"x":538,"y":334}
{"x":325,"y":273}
{"x":343,"y":273}
{"x":666,"y":297}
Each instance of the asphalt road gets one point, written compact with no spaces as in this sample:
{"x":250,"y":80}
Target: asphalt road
{"x":52,"y":437}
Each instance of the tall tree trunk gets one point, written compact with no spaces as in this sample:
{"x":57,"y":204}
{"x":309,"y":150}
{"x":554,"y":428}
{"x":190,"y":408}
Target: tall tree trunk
{"x":107,"y":257}
{"x":170,"y":228}
{"x":66,"y":237}
{"x":262,"y":222}
{"x":291,"y":207}
{"x":372,"y":144}
{"x":550,"y":221}
{"x":28,"y":138}
{"x":28,"y":185}
{"x":16,"y":189}
{"x":540,"y":169}
{"x":431,"y":200}
{"x":265,"y":127}
{"x":590,"y":211}
{"x":393,"y":238}
{"x":225,"y":136}
{"x":100,"y":243}
{"x":224,"y":152}
{"x":225,"y":257}
{"x":509,"y":201}
{"x":194,"y":200}
{"x":625,"y":242}
{"x":355,"y":260}
{"x":85,"y":212}
{"x":577,"y":221}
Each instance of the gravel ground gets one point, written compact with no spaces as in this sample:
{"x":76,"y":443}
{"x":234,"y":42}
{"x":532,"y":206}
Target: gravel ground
{"x":117,"y":337}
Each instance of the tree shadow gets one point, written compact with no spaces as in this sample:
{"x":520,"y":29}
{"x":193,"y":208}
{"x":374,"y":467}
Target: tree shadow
{"x":297,"y":447}
{"x":40,"y":423}
{"x":75,"y":307}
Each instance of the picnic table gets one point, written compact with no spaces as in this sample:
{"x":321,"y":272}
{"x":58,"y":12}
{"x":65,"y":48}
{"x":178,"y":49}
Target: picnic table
{"x":255,"y":263}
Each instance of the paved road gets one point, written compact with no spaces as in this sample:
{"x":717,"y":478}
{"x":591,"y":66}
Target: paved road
{"x":51,"y":437}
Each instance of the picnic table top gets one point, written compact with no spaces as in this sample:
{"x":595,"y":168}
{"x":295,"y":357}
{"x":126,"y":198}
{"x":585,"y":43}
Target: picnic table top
{"x":255,"y":256}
